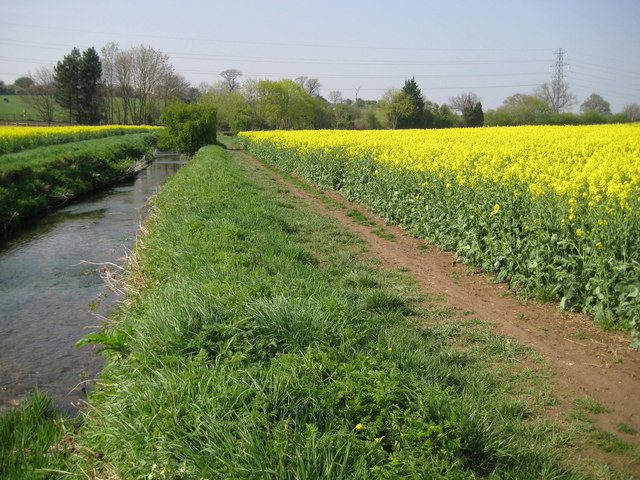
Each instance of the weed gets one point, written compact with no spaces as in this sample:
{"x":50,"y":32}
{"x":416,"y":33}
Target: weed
{"x":590,"y":405}
{"x":625,"y":428}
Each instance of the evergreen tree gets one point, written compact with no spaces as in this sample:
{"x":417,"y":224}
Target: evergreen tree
{"x":88,"y":88}
{"x":66,"y":75}
{"x":416,"y":119}
{"x":473,"y":116}
{"x":77,"y":80}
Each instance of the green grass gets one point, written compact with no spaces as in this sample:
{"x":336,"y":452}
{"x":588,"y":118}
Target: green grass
{"x":359,"y":217}
{"x":590,"y":405}
{"x":35,"y":180}
{"x":625,"y":428}
{"x":17,"y":109}
{"x":261,"y":343}
{"x":30,"y":440}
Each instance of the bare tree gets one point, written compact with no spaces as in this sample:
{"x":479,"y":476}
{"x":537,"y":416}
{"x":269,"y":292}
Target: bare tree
{"x":173,"y":86}
{"x":231,"y":78}
{"x":124,"y":70}
{"x":466,"y":100}
{"x":151,"y":67}
{"x":335,"y":96}
{"x":556,"y":94}
{"x":108,"y":56}
{"x":39,"y":94}
{"x":313,"y":87}
{"x":632,"y":110}
{"x":301,"y":80}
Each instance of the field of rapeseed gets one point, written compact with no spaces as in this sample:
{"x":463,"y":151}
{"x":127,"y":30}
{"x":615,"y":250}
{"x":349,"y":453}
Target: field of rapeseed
{"x":553,"y":210}
{"x":15,"y":139}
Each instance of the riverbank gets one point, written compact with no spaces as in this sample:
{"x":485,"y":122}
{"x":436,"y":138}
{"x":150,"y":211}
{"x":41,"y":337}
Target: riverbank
{"x":36,"y":180}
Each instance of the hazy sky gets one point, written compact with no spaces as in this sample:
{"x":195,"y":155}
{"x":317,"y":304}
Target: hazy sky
{"x":494,"y":48}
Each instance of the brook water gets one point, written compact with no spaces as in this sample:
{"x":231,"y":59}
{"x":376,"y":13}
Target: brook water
{"x":50,"y":298}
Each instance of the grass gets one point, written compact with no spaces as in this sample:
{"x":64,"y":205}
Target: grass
{"x":30,"y":440}
{"x":16,"y":109}
{"x":256,"y":350}
{"x":35,"y":180}
{"x":590,"y":405}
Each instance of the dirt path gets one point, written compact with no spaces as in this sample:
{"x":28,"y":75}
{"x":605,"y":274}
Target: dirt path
{"x":588,"y":361}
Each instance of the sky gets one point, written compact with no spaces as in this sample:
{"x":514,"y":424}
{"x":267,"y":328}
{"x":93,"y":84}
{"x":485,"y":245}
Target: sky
{"x":493,"y":48}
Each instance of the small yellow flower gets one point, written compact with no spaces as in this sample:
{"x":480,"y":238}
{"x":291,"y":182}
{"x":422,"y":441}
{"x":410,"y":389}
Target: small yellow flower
{"x":599,"y":244}
{"x":359,"y":426}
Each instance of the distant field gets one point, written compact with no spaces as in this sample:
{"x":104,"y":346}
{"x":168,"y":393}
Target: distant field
{"x":14,"y":108}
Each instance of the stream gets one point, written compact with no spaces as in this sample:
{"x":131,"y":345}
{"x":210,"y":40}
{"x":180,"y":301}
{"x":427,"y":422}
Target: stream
{"x":52,"y":292}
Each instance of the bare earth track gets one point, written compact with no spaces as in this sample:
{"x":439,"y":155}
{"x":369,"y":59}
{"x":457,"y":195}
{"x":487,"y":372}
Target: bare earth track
{"x":588,"y":361}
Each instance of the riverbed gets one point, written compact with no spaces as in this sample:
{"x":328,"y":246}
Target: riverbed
{"x":52,"y":290}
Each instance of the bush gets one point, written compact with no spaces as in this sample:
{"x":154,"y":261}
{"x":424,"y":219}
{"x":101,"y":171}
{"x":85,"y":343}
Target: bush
{"x":189,"y":127}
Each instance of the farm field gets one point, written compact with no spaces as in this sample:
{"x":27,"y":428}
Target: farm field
{"x":16,"y":109}
{"x":552,"y":210}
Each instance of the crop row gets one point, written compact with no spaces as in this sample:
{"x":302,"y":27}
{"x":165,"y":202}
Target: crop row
{"x":15,"y":139}
{"x":553,"y":210}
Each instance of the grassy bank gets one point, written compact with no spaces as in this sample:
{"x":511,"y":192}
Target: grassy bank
{"x":35,"y":180}
{"x":259,"y":341}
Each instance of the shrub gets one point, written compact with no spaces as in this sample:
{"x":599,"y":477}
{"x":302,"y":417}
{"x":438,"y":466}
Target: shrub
{"x":189,"y":127}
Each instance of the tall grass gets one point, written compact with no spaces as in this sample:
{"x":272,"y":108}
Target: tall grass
{"x":30,"y":440}
{"x":262,"y":344}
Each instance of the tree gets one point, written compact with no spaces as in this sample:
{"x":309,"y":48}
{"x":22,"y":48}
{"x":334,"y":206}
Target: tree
{"x":109,"y":54}
{"x":231,"y":110}
{"x":463,"y":101}
{"x":335,"y":96}
{"x":416,"y":117}
{"x":89,"y":78}
{"x":632,"y":111}
{"x":519,"y":109}
{"x":77,"y":80}
{"x":556,"y":94}
{"x":40,"y":95}
{"x":7,"y":89}
{"x":396,"y":104}
{"x":150,"y":68}
{"x":23,"y":84}
{"x":66,"y":74}
{"x":473,"y":116}
{"x":597,"y":103}
{"x":230,"y":77}
{"x":312,"y":86}
{"x":189,"y":127}
{"x":285,"y":105}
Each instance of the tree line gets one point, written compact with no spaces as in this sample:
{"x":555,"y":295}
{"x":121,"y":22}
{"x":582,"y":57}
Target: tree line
{"x":117,"y":86}
{"x":136,"y":84}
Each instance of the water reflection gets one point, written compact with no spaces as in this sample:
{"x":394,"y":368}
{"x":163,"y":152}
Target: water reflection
{"x":46,"y":288}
